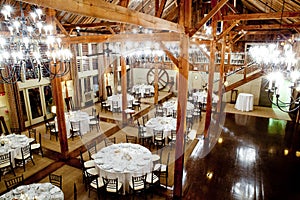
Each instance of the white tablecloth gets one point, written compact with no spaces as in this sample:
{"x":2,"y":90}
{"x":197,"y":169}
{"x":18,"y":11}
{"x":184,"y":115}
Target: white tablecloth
{"x":172,"y":105}
{"x":244,"y":102}
{"x":123,"y":161}
{"x":142,"y":88}
{"x":161,"y":123}
{"x":45,"y":191}
{"x":118,"y":98}
{"x":13,"y":143}
{"x":202,"y":97}
{"x":83,"y":117}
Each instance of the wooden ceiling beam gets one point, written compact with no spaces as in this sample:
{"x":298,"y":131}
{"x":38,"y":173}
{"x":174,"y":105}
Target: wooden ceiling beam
{"x":261,"y":16}
{"x":161,"y":8}
{"x":169,"y":54}
{"x":266,"y":26}
{"x":91,"y":25}
{"x":60,"y":26}
{"x":122,"y":38}
{"x":232,"y":8}
{"x":225,"y":32}
{"x":111,"y":12}
{"x":213,"y":11}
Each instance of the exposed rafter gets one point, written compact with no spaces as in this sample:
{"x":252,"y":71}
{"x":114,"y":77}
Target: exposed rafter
{"x":261,"y":16}
{"x":103,"y":10}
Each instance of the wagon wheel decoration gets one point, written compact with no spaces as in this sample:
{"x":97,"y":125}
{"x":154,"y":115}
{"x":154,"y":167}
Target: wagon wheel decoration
{"x":163,"y":78}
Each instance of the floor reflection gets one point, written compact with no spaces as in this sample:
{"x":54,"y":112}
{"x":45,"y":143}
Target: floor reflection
{"x":256,"y":161}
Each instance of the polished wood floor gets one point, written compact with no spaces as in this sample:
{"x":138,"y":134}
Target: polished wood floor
{"x":243,"y":158}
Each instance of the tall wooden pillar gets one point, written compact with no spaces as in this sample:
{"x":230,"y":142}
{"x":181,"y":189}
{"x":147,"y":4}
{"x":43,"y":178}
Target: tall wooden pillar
{"x":183,"y":65}
{"x":59,"y":102}
{"x":124,"y":87}
{"x":211,"y":72}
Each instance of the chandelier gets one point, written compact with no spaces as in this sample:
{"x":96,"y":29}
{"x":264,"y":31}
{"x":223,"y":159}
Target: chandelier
{"x":29,"y":49}
{"x":281,"y":65}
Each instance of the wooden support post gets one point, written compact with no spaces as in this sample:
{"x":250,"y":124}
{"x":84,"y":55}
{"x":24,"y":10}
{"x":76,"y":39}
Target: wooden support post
{"x":210,"y":81}
{"x":156,"y":82}
{"x":181,"y":116}
{"x":124,"y":87}
{"x":59,"y":102}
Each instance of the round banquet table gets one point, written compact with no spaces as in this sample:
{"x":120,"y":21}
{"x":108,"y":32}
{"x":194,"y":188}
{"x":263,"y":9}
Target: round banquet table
{"x":161,"y":123}
{"x":172,"y":105}
{"x":45,"y":191}
{"x":123,"y":161}
{"x":83,"y":117}
{"x":118,"y":98}
{"x":244,"y":102}
{"x":201,"y":97}
{"x":141,"y":88}
{"x":13,"y":144}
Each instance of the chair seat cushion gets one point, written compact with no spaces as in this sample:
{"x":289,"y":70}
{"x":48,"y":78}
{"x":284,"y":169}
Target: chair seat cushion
{"x":35,"y":146}
{"x":100,"y":183}
{"x":92,"y":171}
{"x":3,"y":165}
{"x":149,"y":178}
{"x":19,"y":157}
{"x":89,"y":164}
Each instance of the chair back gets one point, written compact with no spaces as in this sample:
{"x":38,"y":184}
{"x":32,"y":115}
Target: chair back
{"x":26,"y":152}
{"x":109,"y":141}
{"x":131,"y":139}
{"x":158,"y":134}
{"x":92,"y":148}
{"x":111,"y":184}
{"x":56,"y":180}
{"x":139,"y":182}
{"x":14,"y":182}
{"x":32,"y":134}
{"x":173,"y":134}
{"x":5,"y":160}
{"x":75,"y":125}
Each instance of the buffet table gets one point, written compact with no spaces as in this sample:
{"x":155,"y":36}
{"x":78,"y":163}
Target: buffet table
{"x":118,"y":98}
{"x":13,"y":143}
{"x":244,"y":102}
{"x":83,"y":117}
{"x":141,"y":88}
{"x":45,"y":191}
{"x":161,"y":123}
{"x":123,"y":161}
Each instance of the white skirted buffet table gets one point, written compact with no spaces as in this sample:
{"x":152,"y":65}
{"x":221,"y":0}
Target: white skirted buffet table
{"x":123,"y":161}
{"x":244,"y":102}
{"x":44,"y":191}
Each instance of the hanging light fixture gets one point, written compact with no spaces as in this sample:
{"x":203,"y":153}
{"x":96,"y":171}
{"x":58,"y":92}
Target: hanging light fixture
{"x":281,"y":65}
{"x":30,"y":49}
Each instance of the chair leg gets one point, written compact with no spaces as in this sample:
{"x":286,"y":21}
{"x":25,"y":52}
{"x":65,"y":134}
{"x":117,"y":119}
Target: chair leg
{"x":24,"y":165}
{"x":12,"y":169}
{"x":41,"y":151}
